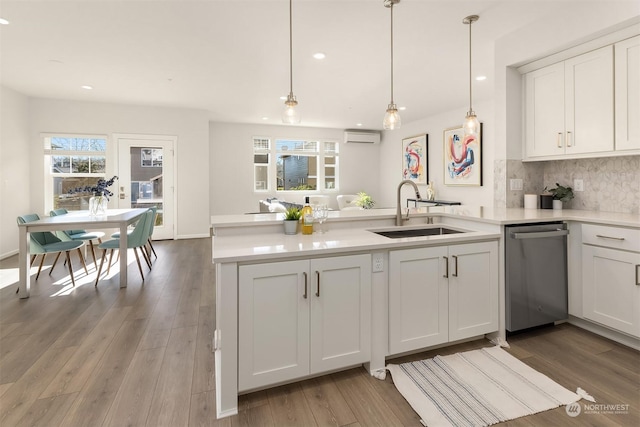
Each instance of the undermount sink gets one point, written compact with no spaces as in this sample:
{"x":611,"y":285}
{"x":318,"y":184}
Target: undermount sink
{"x":417,"y":232}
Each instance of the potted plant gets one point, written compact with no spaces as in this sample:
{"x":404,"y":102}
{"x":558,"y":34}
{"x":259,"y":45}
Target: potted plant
{"x":560,"y":194}
{"x":291,"y":220}
{"x":364,"y":200}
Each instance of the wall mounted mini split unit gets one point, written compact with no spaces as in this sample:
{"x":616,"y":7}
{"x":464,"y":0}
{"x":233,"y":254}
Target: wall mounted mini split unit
{"x":361,"y":136}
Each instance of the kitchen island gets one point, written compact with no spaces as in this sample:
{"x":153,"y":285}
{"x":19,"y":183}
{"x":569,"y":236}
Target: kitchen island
{"x":290,"y":307}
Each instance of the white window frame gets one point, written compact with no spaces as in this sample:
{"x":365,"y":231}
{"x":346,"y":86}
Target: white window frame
{"x":321,"y":153}
{"x":48,"y":153}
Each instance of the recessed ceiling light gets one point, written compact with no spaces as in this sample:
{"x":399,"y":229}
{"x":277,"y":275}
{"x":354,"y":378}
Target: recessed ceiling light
{"x":402,"y":108}
{"x":284,"y":98}
{"x":87,"y":87}
{"x":4,"y":21}
{"x":481,"y":78}
{"x":265,"y":118}
{"x":358,"y":124}
{"x":319,"y":55}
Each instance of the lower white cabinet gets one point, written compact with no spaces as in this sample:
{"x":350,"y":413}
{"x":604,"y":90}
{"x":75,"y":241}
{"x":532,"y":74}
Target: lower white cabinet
{"x":441,"y":294}
{"x":297,"y":318}
{"x":611,"y":275}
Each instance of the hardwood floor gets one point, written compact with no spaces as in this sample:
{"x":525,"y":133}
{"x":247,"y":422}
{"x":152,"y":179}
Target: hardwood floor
{"x":141,"y":356}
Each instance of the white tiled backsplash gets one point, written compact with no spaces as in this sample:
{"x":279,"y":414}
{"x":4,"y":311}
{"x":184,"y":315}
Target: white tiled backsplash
{"x":611,"y":184}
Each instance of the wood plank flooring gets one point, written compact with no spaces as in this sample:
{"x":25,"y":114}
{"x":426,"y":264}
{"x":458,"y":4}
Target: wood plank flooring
{"x":141,"y":356}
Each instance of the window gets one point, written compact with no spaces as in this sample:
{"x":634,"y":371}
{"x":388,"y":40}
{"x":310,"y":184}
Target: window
{"x":296,"y":165}
{"x":71,"y":162}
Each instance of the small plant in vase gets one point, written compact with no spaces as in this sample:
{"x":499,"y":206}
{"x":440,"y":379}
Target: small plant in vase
{"x":364,"y":200}
{"x":560,"y":194}
{"x":291,"y":220}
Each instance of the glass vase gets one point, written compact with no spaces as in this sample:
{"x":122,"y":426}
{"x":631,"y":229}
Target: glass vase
{"x":98,"y":204}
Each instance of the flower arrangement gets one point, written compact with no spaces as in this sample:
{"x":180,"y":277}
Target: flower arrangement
{"x":364,"y":200}
{"x":101,"y":188}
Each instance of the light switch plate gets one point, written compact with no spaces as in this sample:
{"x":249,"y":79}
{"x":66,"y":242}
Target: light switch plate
{"x":515,"y":184}
{"x":578,"y":185}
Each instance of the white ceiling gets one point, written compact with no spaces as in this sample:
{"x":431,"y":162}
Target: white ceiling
{"x":231,"y":57}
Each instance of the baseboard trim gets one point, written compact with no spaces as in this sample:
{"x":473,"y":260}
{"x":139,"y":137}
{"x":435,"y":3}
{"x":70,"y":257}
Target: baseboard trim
{"x":8,"y":254}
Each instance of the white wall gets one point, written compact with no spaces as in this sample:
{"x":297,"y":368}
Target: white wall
{"x":192,"y":149}
{"x":391,"y":158}
{"x":14,"y":167}
{"x":232,"y":165}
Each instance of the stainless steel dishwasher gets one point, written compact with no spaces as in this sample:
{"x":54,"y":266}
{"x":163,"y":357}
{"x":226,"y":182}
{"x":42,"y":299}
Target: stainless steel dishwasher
{"x":536,"y":274}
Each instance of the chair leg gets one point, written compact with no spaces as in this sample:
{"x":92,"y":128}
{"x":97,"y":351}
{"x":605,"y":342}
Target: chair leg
{"x":93,"y":252}
{"x":110,"y":260}
{"x":104,"y":255}
{"x":138,"y":261}
{"x":146,"y":256}
{"x":151,"y":246}
{"x":40,"y":268}
{"x":33,"y":258}
{"x":55,"y":261}
{"x":73,"y":281}
{"x":84,"y":264}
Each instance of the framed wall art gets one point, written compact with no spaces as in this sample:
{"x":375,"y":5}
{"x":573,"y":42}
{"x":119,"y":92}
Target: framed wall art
{"x":462,"y":158}
{"x":415,"y":158}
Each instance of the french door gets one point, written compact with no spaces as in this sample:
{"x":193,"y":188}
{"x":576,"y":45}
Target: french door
{"x":146,"y":178}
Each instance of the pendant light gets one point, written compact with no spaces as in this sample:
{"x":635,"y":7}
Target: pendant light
{"x":392,"y":117}
{"x":290,"y":115}
{"x":471,"y":126}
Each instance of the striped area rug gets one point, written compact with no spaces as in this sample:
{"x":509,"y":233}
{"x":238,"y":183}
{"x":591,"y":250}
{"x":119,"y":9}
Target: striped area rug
{"x":476,"y":388}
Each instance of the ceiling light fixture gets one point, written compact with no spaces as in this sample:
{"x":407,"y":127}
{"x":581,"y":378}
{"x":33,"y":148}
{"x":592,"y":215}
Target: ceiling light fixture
{"x":290,"y":115}
{"x":471,"y":125}
{"x":319,"y":55}
{"x":87,"y":87}
{"x":4,"y":21}
{"x":391,"y":117}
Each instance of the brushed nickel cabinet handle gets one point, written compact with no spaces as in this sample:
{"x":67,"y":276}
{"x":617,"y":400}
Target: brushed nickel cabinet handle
{"x":455,"y":265}
{"x":609,"y":237}
{"x":569,"y":143}
{"x":446,"y":267}
{"x":637,"y":275}
{"x":318,"y":279}
{"x":305,"y":285}
{"x":559,"y":140}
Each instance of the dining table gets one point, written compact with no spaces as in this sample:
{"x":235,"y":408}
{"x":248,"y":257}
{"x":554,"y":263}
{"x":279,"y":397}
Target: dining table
{"x":74,"y":220}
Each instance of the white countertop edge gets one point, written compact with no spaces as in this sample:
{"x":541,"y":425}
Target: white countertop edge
{"x":499,"y":216}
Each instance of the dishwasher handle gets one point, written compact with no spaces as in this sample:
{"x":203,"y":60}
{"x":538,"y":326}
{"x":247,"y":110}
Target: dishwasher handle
{"x":539,"y":234}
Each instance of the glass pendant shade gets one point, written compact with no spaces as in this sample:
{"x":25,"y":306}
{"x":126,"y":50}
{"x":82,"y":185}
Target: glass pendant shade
{"x":471,"y":125}
{"x":291,"y":112}
{"x":391,"y":118}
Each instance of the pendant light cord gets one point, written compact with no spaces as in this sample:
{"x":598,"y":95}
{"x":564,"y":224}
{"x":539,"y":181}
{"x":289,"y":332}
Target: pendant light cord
{"x":470,"y":79}
{"x":290,"y":49}
{"x":392,"y":53}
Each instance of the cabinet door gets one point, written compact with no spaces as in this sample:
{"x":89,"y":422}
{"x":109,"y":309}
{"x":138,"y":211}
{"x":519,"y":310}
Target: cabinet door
{"x":273,"y":323}
{"x":611,"y":293}
{"x":627,"y":89}
{"x":418,"y":298}
{"x":589,"y":102}
{"x":473,"y":289}
{"x":544,"y":111}
{"x":340,"y":295}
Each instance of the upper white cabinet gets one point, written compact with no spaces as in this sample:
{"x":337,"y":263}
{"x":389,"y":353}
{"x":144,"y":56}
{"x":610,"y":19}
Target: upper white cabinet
{"x":627,"y":89}
{"x":442,"y":294}
{"x":297,"y":318}
{"x":569,"y":107}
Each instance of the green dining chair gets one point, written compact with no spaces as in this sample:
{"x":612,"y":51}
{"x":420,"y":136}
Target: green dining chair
{"x":135,"y":240}
{"x":151,"y":225}
{"x":45,"y":242}
{"x":83,"y":235}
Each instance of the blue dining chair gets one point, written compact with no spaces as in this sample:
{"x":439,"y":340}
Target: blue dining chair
{"x":151,"y":225}
{"x":45,"y":242}
{"x":135,"y":240}
{"x":83,"y":235}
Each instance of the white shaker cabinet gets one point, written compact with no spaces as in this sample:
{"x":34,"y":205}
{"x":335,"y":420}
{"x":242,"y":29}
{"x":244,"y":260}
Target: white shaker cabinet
{"x":569,"y":107}
{"x":611,"y":274}
{"x":297,"y":318}
{"x":442,"y":294}
{"x":627,"y":90}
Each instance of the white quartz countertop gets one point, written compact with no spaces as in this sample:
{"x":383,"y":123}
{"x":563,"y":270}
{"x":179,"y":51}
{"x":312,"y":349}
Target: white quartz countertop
{"x":349,"y":231}
{"x":273,"y":246}
{"x":500,"y":216}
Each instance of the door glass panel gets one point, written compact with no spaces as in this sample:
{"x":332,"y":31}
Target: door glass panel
{"x":146,"y":179}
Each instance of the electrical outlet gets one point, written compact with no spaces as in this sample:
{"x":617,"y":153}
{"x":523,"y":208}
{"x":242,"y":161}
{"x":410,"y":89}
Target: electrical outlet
{"x":578,"y":185}
{"x":515,"y":184}
{"x":378,"y":262}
